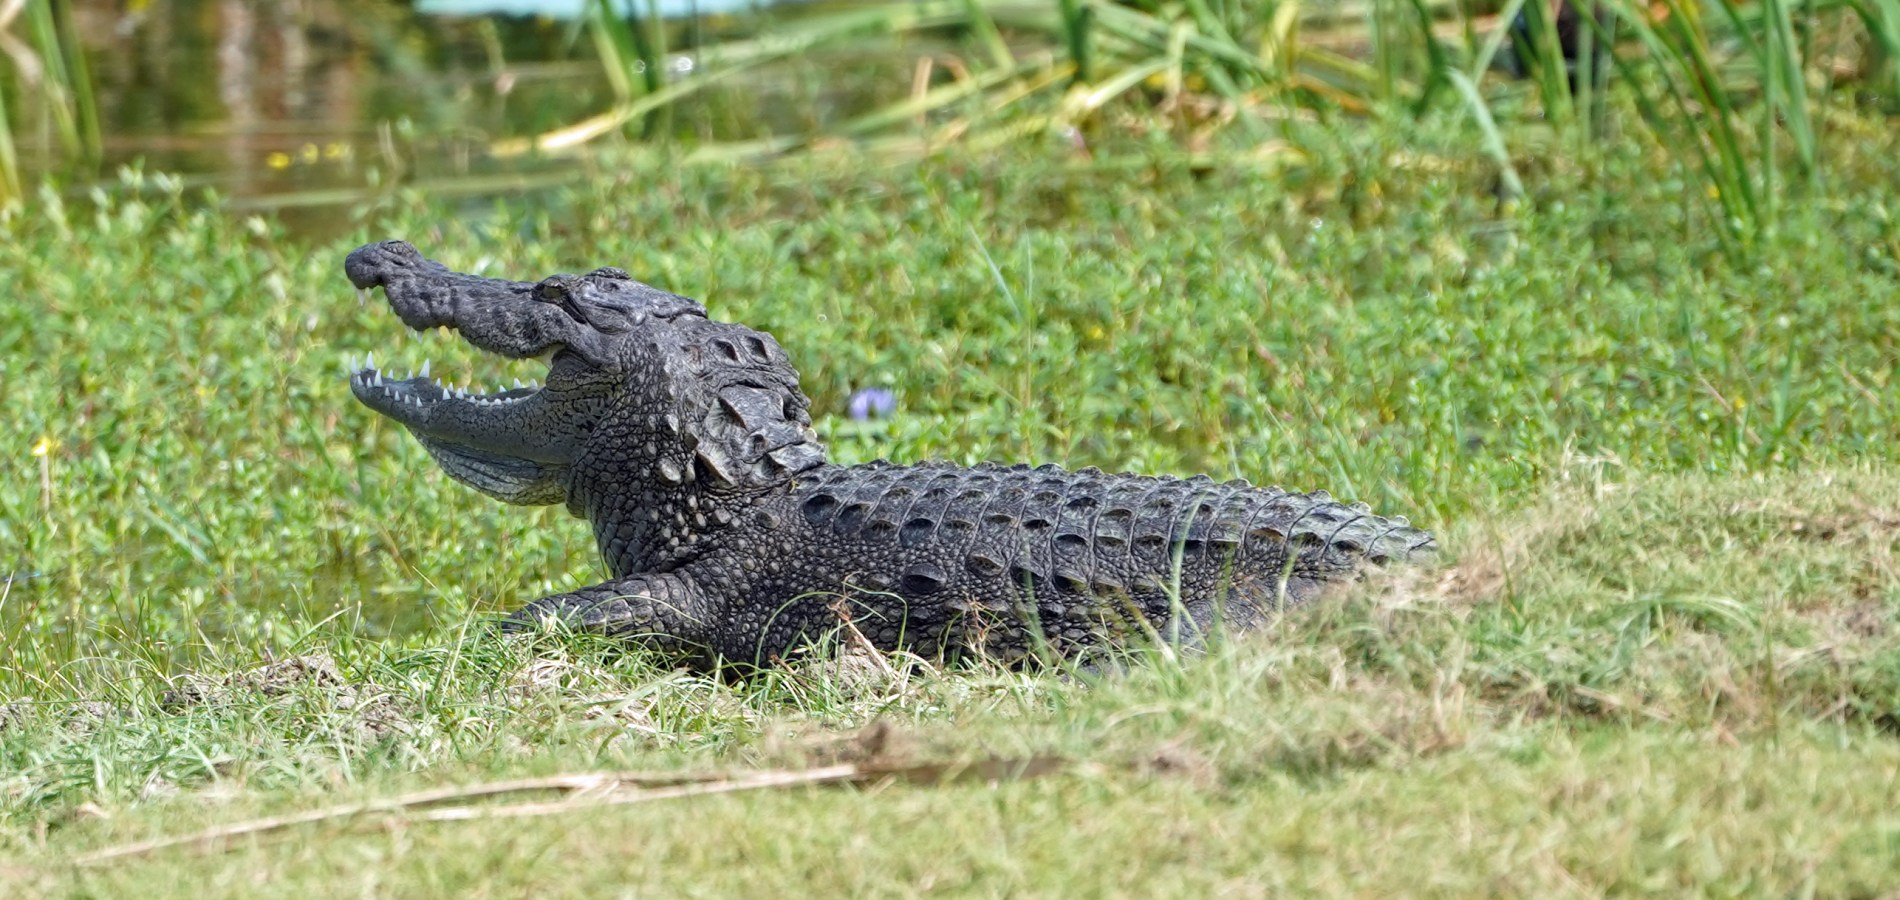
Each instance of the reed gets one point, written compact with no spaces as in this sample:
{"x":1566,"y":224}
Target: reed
{"x":9,"y":158}
{"x":1724,"y":86}
{"x":51,"y":85}
{"x":1881,"y":20}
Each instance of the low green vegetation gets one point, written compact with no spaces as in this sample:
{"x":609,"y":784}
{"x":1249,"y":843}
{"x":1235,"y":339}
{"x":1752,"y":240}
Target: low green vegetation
{"x":1661,"y":656}
{"x":1660,"y":686}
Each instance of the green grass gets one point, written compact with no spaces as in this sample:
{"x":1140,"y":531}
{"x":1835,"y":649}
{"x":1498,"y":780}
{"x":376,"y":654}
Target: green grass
{"x":1662,"y":658}
{"x":1680,"y":684}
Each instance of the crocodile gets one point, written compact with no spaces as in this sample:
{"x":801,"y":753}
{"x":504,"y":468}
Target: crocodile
{"x":731,"y":539}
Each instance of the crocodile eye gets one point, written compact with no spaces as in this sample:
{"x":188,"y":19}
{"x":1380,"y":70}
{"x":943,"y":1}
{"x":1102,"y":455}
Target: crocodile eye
{"x":550,"y":291}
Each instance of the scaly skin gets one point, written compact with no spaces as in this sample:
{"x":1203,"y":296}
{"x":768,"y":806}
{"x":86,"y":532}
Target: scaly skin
{"x":688,"y":445}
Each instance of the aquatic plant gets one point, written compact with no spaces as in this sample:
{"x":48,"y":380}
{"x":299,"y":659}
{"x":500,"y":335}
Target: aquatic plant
{"x":49,"y":83}
{"x":1728,"y":88}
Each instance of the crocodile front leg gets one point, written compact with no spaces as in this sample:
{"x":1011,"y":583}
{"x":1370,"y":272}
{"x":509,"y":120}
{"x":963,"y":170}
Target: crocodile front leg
{"x":665,"y":611}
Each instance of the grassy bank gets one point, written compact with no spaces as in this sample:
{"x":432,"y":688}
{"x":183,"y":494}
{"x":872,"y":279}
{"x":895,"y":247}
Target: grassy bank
{"x":1675,"y":685}
{"x":1662,"y":657}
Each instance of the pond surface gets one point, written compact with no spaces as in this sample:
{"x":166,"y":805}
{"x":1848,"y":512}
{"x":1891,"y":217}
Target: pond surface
{"x":299,"y":105}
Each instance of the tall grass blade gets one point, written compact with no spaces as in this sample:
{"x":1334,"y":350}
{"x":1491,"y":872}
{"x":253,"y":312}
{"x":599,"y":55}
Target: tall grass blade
{"x":1383,"y":60}
{"x":1153,"y":33}
{"x":1586,"y":93}
{"x":987,"y":33}
{"x":650,"y":37}
{"x":1119,"y":83}
{"x":1705,"y":120}
{"x":615,"y":44}
{"x":1209,"y":23}
{"x":1674,"y":132}
{"x":720,"y":62}
{"x":52,"y":76}
{"x":1492,"y":140}
{"x":65,"y":89}
{"x":1278,"y":39}
{"x":9,"y":161}
{"x":1076,"y":20}
{"x":933,"y":99}
{"x":1693,"y":56}
{"x":1435,"y":55}
{"x":652,"y":43}
{"x":1494,"y":41}
{"x":1546,"y":63}
{"x":79,"y":83}
{"x":1784,"y":66}
{"x":1881,"y":18}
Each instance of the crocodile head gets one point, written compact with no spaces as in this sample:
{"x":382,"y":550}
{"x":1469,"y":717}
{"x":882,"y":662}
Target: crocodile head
{"x":516,"y":444}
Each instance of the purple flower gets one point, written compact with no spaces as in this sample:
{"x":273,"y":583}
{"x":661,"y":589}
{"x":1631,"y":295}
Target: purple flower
{"x":871,"y":403}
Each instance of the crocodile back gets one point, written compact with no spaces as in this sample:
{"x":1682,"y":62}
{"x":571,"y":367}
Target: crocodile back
{"x":1006,"y":558}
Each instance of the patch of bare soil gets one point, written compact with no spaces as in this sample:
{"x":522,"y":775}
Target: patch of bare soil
{"x":372,"y":710}
{"x":80,"y":717}
{"x":879,"y":744}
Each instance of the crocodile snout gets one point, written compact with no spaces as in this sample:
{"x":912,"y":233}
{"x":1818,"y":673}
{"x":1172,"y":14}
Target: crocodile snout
{"x":372,"y":265}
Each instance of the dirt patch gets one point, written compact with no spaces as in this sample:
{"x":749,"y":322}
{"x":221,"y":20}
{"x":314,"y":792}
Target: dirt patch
{"x":879,"y":744}
{"x":369,"y":709}
{"x":1179,"y":759}
{"x":1867,"y":619}
{"x":81,"y":717}
{"x":1855,"y":521}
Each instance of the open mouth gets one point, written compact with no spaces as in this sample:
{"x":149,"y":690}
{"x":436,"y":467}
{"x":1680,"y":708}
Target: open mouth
{"x":511,"y":444}
{"x":412,"y":397}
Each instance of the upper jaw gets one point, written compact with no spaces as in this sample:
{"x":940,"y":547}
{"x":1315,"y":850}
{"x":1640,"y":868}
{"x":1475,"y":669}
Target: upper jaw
{"x":517,"y":319}
{"x":608,"y":300}
{"x":500,"y":316}
{"x":371,"y":265}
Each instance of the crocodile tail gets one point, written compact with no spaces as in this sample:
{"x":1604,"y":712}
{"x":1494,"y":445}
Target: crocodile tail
{"x":1347,"y":532}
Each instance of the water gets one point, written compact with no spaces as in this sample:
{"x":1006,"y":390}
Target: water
{"x":299,"y":104}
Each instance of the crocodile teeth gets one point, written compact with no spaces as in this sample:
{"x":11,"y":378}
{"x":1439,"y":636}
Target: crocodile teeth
{"x":518,"y":383}
{"x":425,"y":368}
{"x":362,"y":296}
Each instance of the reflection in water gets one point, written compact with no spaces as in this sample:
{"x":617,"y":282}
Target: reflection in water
{"x":308,"y":104}
{"x":274,"y":96}
{"x":237,"y":75}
